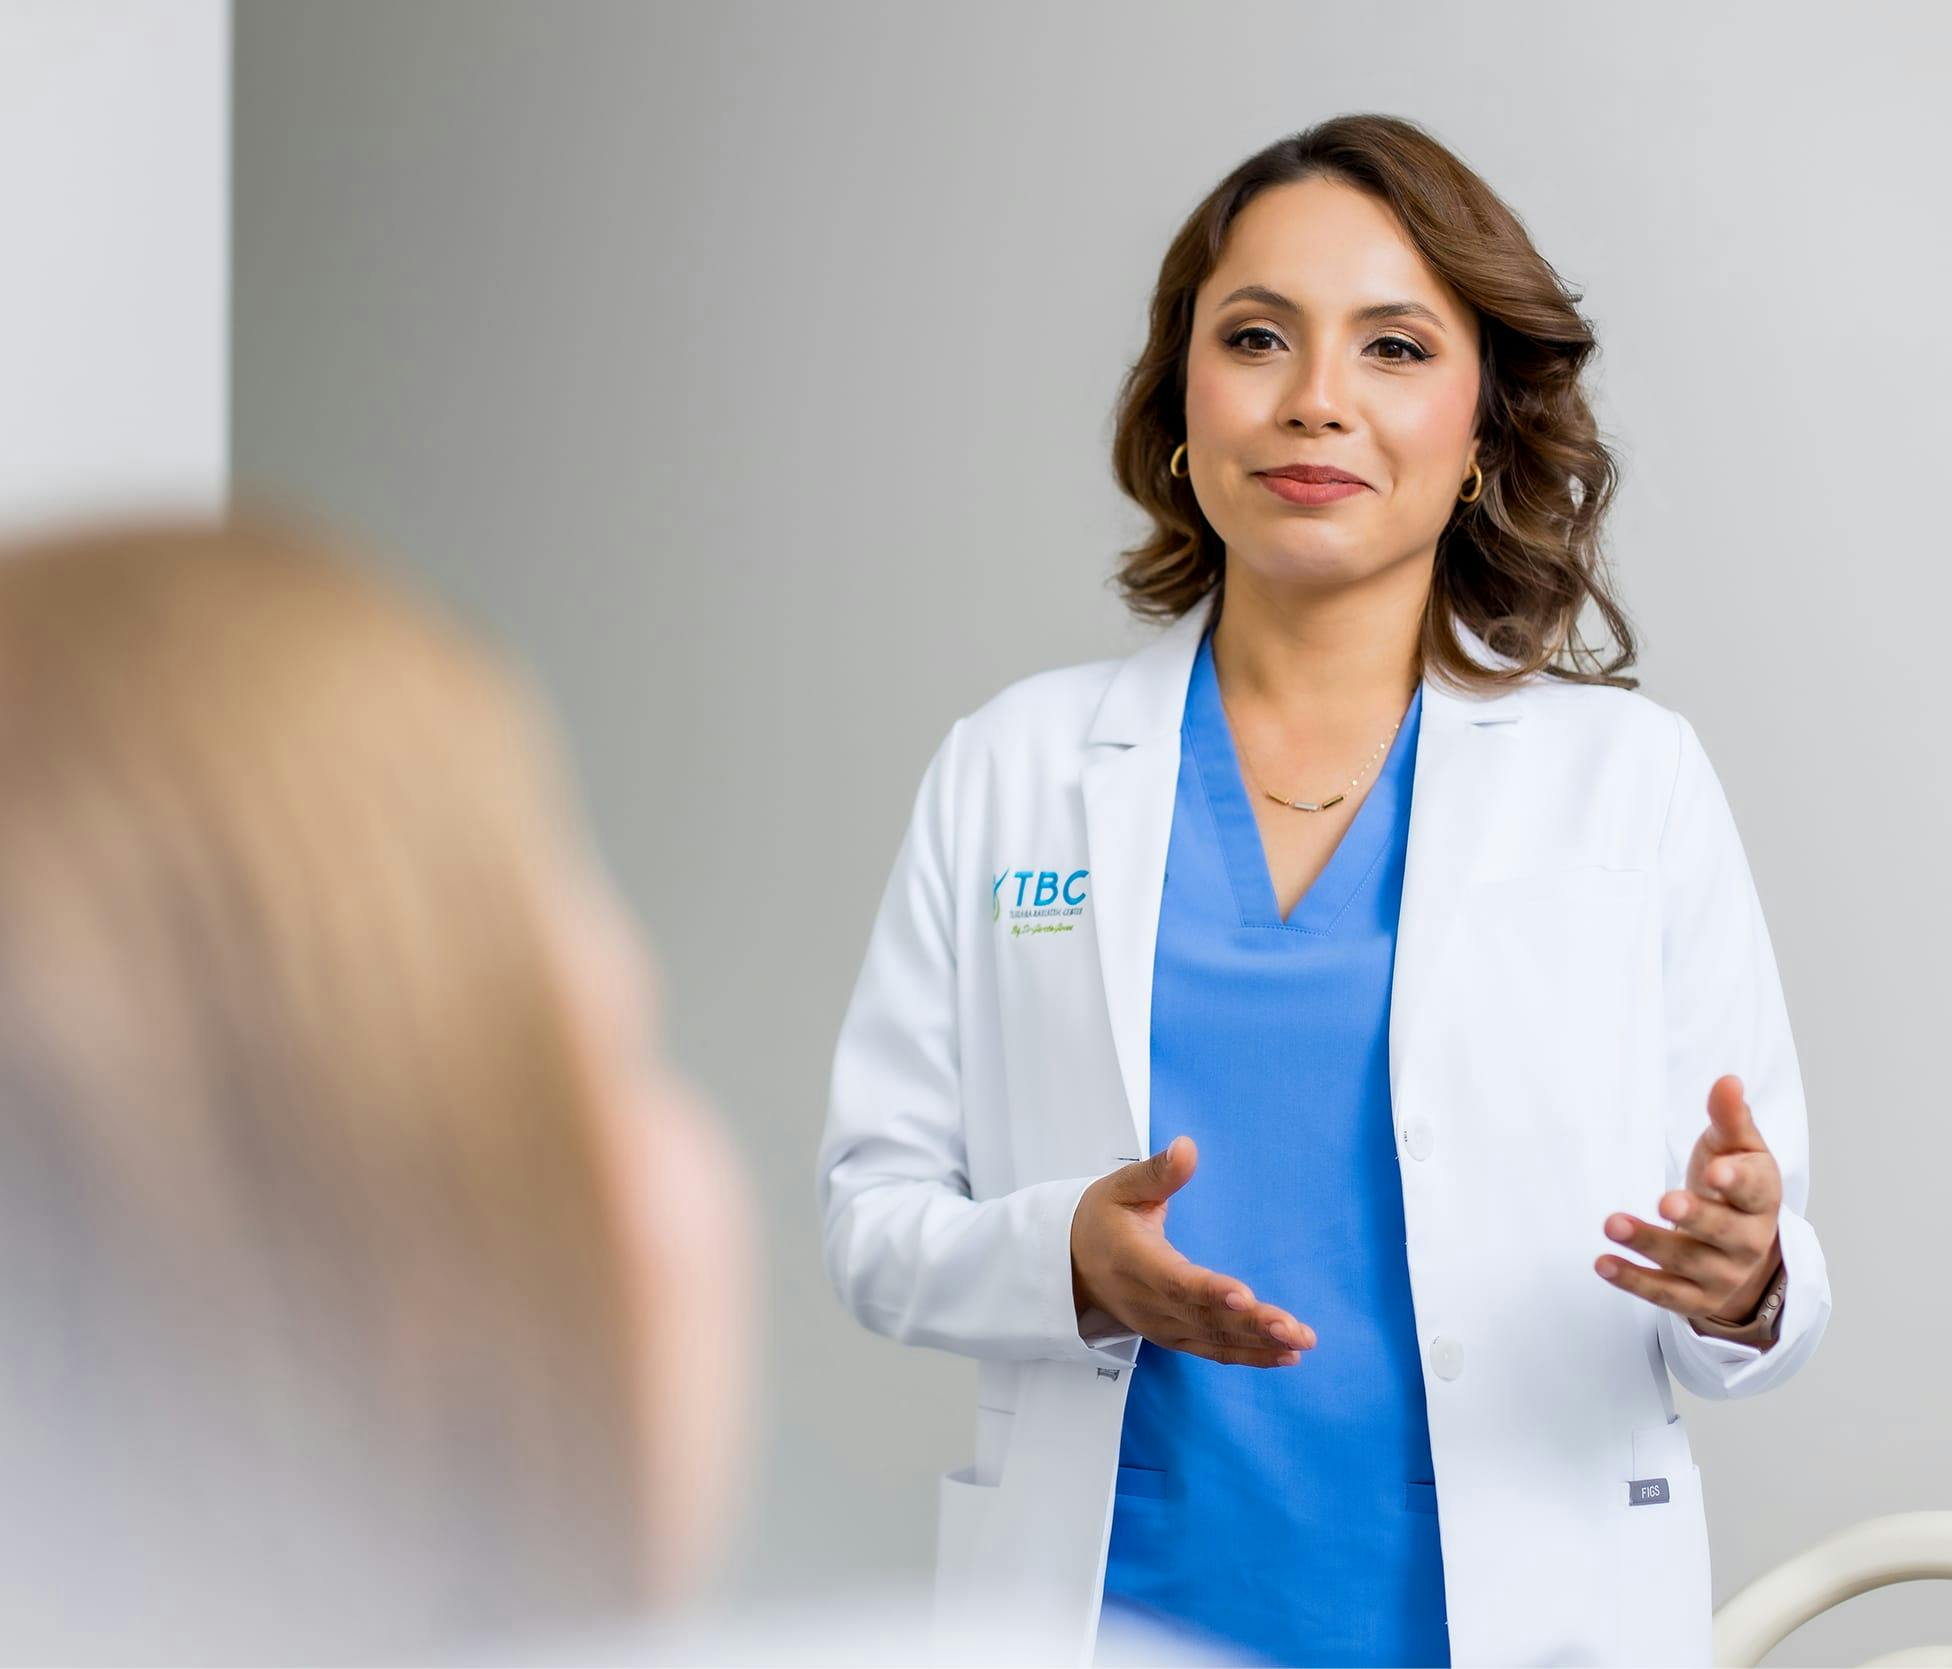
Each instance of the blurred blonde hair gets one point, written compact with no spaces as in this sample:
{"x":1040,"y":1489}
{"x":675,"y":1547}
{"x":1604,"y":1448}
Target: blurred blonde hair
{"x":316,"y":1336}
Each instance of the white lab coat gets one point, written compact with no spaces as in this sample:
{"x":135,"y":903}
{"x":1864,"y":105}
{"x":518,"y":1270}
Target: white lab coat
{"x":1580,"y":954}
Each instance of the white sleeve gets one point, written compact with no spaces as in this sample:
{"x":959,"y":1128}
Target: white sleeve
{"x":909,"y":1253}
{"x":1724,"y":1012}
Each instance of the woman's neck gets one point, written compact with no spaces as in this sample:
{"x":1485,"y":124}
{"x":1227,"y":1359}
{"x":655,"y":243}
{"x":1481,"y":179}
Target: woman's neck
{"x":1323,"y":664}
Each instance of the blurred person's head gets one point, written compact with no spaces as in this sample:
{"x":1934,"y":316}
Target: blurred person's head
{"x":367,"y":1284}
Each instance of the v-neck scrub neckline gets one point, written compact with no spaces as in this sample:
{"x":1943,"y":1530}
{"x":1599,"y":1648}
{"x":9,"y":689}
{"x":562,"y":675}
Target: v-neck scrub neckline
{"x":1363,"y":842}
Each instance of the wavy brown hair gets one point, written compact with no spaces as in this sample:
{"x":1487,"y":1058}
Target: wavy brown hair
{"x":1519,"y":563}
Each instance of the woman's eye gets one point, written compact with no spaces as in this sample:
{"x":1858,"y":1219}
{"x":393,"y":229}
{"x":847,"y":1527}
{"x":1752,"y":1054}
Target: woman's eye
{"x":1411,"y":352}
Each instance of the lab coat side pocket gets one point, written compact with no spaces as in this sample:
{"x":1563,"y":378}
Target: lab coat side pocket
{"x":964,"y":1508}
{"x":1664,"y":1585}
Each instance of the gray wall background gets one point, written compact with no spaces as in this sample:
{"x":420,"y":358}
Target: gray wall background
{"x":748,"y":369}
{"x":115,"y":285}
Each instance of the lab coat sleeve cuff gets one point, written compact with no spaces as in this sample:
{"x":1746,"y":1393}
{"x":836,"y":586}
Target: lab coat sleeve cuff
{"x":1724,"y":1368}
{"x":1096,"y":1336}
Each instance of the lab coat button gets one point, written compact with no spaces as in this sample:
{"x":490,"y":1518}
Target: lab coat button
{"x":1446,"y":1357}
{"x":1420,"y":1138}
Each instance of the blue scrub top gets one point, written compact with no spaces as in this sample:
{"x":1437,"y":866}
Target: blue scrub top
{"x":1289,"y":1511}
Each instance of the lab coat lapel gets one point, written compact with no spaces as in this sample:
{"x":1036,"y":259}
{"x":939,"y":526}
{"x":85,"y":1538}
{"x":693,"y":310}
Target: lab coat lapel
{"x":1129,"y":784}
{"x":1130,"y":774}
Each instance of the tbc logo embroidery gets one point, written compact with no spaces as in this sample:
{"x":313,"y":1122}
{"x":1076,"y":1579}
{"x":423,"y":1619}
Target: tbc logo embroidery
{"x":1052,"y":907}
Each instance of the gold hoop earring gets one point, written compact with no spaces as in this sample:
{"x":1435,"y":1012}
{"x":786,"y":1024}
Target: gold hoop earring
{"x":1172,"y":465}
{"x":1477,"y":491}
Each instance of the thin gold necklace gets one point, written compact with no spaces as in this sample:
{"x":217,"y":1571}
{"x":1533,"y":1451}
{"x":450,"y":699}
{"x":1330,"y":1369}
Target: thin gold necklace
{"x":1300,"y":805}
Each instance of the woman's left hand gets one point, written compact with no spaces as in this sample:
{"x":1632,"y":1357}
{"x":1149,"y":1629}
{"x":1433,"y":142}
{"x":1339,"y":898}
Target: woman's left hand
{"x":1718,"y":1263}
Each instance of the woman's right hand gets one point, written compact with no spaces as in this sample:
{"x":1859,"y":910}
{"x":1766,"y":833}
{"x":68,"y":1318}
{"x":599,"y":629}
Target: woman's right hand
{"x":1122,"y":1264}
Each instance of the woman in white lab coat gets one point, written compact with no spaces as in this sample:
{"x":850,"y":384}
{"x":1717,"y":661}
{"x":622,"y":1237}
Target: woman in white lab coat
{"x":1370,"y":929}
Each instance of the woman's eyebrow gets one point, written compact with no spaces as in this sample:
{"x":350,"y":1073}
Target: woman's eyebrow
{"x":1361,"y":315}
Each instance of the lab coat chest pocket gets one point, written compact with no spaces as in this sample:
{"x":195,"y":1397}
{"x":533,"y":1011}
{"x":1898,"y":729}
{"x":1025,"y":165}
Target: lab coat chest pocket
{"x":1553,"y":968}
{"x":1664,"y":1590}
